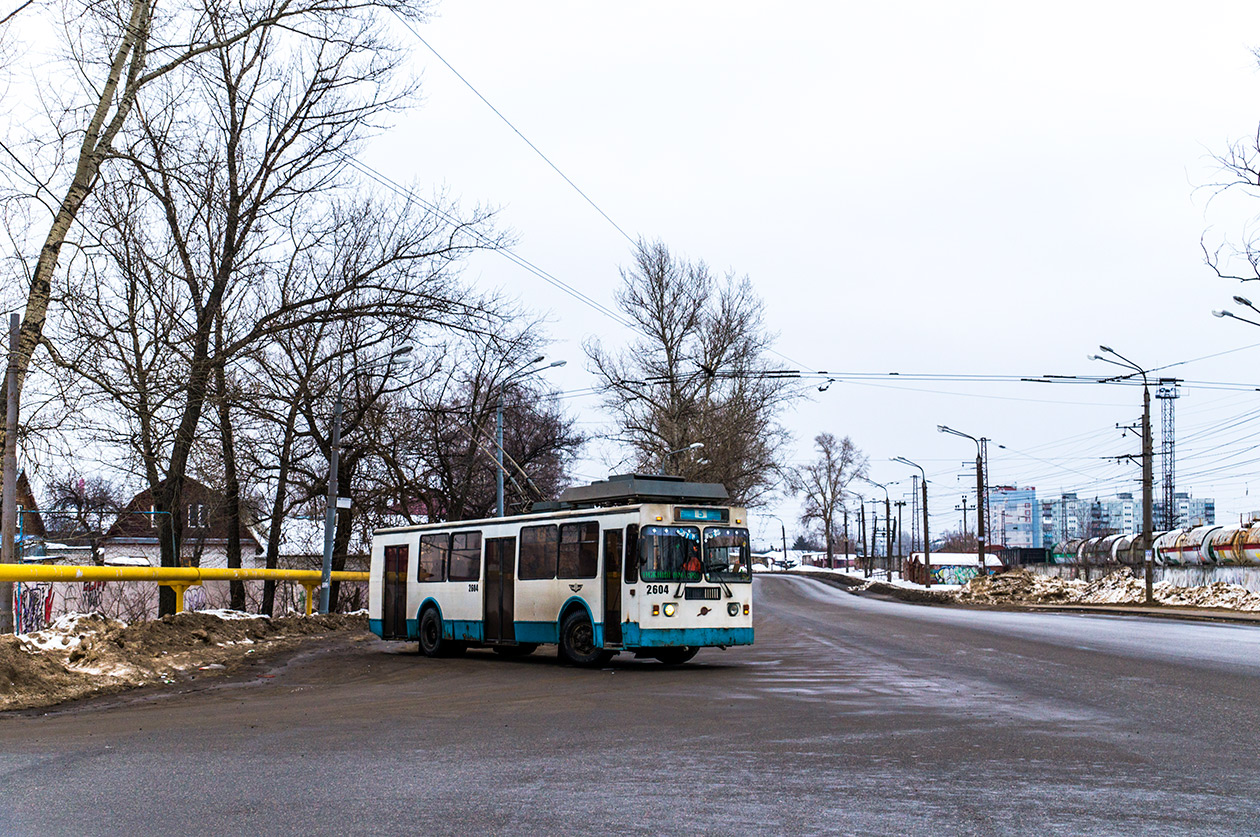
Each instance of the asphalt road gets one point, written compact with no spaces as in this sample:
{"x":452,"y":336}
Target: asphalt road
{"x":849,"y":716}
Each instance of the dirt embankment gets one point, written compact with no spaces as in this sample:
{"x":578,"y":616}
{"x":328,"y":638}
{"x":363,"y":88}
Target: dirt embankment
{"x":89,"y":654}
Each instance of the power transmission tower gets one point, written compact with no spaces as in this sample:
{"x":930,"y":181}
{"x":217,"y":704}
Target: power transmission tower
{"x":1167,"y":394}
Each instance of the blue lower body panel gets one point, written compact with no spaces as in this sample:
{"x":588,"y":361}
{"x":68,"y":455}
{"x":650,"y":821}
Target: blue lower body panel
{"x":540,"y":632}
{"x":636,"y":637}
{"x":463,"y":630}
{"x":377,"y":626}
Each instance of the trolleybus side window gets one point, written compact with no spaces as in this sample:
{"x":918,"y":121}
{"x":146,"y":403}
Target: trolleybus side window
{"x":432,"y":563}
{"x":726,"y":554}
{"x":670,"y":553}
{"x":465,"y":556}
{"x":538,"y":551}
{"x":579,"y":550}
{"x":631,"y":574}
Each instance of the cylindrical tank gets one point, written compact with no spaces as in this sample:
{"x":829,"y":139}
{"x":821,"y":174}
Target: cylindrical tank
{"x":1237,"y":545}
{"x":1120,"y":548}
{"x":1092,"y":551}
{"x":1225,"y":546}
{"x":1168,"y":548}
{"x":1195,"y":548}
{"x":1066,"y":552}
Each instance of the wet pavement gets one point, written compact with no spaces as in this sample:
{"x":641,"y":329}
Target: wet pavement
{"x":849,"y":716}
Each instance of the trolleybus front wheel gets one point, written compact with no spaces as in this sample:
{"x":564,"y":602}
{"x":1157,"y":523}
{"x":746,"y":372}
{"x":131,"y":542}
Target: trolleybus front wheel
{"x":431,"y":642}
{"x":676,"y":656}
{"x":577,"y":642}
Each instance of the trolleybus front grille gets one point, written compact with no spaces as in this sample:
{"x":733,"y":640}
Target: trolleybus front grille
{"x":703,"y":592}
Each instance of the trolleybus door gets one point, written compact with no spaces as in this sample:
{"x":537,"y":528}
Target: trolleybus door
{"x":394,"y":592}
{"x":500,"y":586}
{"x":612,"y":587}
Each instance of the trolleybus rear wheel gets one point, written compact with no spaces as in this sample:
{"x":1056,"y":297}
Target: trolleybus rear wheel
{"x":577,"y":642}
{"x":676,"y":656}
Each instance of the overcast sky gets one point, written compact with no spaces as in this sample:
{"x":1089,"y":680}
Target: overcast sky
{"x":963,"y":188}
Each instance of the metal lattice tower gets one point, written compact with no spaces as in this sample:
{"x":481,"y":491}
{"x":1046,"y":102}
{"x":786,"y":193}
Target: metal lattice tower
{"x":1166,"y":514}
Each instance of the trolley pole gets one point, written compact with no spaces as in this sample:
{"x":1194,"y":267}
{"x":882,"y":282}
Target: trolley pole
{"x":980,"y":512}
{"x":8,"y":517}
{"x":1148,"y":545}
{"x":927,"y":549}
{"x":1147,"y":503}
{"x":901,"y":505}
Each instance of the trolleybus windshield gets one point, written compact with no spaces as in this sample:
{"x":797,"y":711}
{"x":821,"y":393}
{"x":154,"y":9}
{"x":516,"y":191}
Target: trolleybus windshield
{"x":669,"y":553}
{"x":727,"y":555}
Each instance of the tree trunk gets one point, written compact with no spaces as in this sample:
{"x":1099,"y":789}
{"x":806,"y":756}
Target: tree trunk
{"x":278,"y":507}
{"x":231,"y":485}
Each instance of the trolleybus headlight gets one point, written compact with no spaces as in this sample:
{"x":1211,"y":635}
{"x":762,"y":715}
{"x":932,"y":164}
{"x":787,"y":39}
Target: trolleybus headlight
{"x":670,"y":607}
{"x":733,"y":609}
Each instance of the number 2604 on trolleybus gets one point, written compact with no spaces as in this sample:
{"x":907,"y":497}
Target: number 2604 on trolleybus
{"x":649,"y":565}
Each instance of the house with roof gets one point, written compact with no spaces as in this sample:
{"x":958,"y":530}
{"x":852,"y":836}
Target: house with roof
{"x":132,"y":540}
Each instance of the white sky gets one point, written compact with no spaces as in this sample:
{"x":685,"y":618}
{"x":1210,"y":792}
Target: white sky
{"x":964,"y":188}
{"x":971,"y":187}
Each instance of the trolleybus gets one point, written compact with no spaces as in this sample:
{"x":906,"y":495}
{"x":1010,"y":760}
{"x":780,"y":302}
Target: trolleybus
{"x":649,"y":565}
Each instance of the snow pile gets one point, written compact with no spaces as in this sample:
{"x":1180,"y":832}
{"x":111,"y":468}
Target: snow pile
{"x":1218,"y":594}
{"x":67,"y":632}
{"x":1019,"y":587}
{"x":1120,"y":587}
{"x":86,"y":654}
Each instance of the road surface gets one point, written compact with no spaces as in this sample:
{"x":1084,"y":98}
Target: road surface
{"x":848,"y":716}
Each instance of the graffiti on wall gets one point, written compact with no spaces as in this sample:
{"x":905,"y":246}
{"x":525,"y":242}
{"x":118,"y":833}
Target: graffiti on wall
{"x":953,"y":573}
{"x":32,"y":606}
{"x":92,"y":597}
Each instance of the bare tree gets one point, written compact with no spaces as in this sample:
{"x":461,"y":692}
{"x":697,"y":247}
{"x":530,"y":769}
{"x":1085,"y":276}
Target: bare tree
{"x":454,"y":424}
{"x":81,"y":508}
{"x":246,"y":225}
{"x":824,"y":482}
{"x":121,"y":50}
{"x":696,"y":372}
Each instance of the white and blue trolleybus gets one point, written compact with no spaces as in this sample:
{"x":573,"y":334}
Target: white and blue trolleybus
{"x":649,"y":565}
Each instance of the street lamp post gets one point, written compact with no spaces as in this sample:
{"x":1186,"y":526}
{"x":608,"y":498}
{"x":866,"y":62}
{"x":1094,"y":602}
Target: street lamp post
{"x":979,"y":494}
{"x":668,"y":454}
{"x":1147,"y":467}
{"x":927,"y":550}
{"x":887,"y":526}
{"x":334,"y":461}
{"x":520,"y":372}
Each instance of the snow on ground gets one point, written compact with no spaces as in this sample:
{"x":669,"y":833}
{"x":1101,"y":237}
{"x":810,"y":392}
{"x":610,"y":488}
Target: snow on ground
{"x":85,"y":654}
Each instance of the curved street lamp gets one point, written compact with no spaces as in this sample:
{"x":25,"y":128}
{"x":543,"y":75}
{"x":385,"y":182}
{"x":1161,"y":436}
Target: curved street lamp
{"x":927,"y":551}
{"x":1147,"y":456}
{"x":887,"y":525}
{"x":668,"y":454}
{"x":980,"y":504}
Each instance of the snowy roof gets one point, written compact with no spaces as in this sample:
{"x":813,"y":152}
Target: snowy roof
{"x":127,"y":561}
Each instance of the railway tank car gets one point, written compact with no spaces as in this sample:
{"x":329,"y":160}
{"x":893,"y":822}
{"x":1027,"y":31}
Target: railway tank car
{"x":1208,"y":545}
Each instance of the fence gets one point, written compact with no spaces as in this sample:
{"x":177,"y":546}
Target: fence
{"x":34,"y":602}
